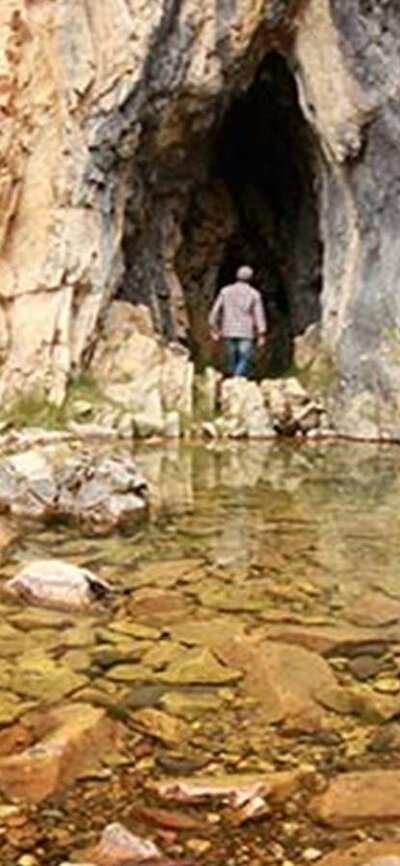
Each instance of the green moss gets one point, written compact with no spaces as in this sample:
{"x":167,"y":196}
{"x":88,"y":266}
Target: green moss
{"x":32,"y":409}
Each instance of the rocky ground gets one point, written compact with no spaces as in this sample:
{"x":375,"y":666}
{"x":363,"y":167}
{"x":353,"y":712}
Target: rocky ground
{"x":234,"y":699}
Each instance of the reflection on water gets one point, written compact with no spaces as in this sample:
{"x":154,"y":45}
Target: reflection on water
{"x":334,"y":510}
{"x":241,"y":537}
{"x":325,"y":514}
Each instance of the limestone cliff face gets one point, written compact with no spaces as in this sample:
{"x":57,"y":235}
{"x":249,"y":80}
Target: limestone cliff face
{"x":109,"y":127}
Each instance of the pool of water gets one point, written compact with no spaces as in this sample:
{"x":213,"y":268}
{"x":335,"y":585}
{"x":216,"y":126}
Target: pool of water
{"x":294,"y":544}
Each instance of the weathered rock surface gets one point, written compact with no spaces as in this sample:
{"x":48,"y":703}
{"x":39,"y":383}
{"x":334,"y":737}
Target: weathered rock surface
{"x":100,"y":493}
{"x":41,"y":678}
{"x":234,"y":789}
{"x":106,"y":129}
{"x":150,"y":386}
{"x":244,"y":411}
{"x":79,"y":736}
{"x":119,"y":847}
{"x":285,"y":678}
{"x":197,"y":666}
{"x":356,"y":798}
{"x":53,"y":583}
{"x":365,"y":854}
{"x":161,"y":726}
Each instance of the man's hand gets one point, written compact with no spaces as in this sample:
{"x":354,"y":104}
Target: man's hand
{"x":215,"y":335}
{"x":261,"y":340}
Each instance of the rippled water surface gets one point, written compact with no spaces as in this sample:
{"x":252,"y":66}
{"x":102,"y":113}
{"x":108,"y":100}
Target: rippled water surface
{"x":298,"y":545}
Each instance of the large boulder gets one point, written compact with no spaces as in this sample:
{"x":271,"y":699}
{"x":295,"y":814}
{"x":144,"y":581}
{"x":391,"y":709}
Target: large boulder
{"x":147,"y":383}
{"x":101,"y":493}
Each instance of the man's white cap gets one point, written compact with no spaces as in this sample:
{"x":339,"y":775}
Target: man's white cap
{"x":245,"y":273}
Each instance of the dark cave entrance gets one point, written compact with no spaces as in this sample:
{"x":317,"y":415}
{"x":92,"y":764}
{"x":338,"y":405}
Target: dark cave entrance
{"x":240,"y":188}
{"x":264,"y":161}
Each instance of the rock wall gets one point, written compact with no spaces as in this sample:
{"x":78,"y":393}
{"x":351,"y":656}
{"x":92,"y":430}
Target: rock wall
{"x":107,"y":125}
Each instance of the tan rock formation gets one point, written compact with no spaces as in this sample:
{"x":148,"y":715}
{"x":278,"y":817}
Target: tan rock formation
{"x":348,"y":800}
{"x":79,"y":735}
{"x":107,"y":123}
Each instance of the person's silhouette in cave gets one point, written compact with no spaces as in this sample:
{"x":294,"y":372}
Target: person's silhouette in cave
{"x":238,"y":317}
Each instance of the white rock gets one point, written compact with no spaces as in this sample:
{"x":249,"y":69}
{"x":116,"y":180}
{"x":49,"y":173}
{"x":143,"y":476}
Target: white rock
{"x":118,"y":844}
{"x":54,"y":583}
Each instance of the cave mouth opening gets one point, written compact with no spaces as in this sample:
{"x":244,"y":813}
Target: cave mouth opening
{"x":259,"y":206}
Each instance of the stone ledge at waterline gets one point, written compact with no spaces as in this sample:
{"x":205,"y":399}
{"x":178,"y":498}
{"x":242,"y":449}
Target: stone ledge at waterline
{"x":138,"y":387}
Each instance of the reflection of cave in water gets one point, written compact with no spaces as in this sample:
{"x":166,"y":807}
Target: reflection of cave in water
{"x":265,"y":157}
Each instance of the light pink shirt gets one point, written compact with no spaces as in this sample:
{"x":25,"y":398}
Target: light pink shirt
{"x":238,"y":312}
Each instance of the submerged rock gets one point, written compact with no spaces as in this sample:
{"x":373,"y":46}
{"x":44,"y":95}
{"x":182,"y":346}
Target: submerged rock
{"x":285,"y":678}
{"x":57,"y":584}
{"x":365,"y":854}
{"x":39,"y":677}
{"x":79,"y":736}
{"x":356,"y":798}
{"x":162,"y":726}
{"x":191,"y":705}
{"x":198,"y":666}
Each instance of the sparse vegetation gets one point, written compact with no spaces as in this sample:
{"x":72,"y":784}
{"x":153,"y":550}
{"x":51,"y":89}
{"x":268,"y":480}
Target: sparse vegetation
{"x":321,"y":376}
{"x":32,"y":410}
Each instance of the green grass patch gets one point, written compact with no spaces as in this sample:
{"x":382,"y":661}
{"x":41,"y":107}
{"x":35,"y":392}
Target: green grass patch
{"x":32,"y":410}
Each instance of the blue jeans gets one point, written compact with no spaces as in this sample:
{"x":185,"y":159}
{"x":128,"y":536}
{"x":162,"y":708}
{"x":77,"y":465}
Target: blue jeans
{"x":239,"y":354}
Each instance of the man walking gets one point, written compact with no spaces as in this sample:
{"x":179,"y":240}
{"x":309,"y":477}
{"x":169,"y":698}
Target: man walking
{"x":238,"y":317}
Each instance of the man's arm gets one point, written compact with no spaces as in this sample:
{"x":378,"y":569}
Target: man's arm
{"x":260,"y":320}
{"x":214,"y":319}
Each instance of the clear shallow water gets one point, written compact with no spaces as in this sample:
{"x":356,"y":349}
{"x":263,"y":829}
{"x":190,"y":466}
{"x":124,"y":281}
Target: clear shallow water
{"x":262,"y":536}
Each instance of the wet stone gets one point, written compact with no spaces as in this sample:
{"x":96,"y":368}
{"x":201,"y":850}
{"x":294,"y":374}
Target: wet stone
{"x":376,"y":649}
{"x":356,"y":798}
{"x":11,"y":708}
{"x":370,"y":853}
{"x":177,"y":765}
{"x":77,"y":736}
{"x":105,"y":656}
{"x":34,"y":618}
{"x":374,"y":609}
{"x":199,"y":666}
{"x":207,"y":633}
{"x":162,"y":654}
{"x":364,"y":667}
{"x":157,"y":607}
{"x":128,"y":673}
{"x":144,"y":696}
{"x":134,"y":630}
{"x":160,"y":725}
{"x":191,"y":705}
{"x":78,"y":660}
{"x":39,"y":677}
